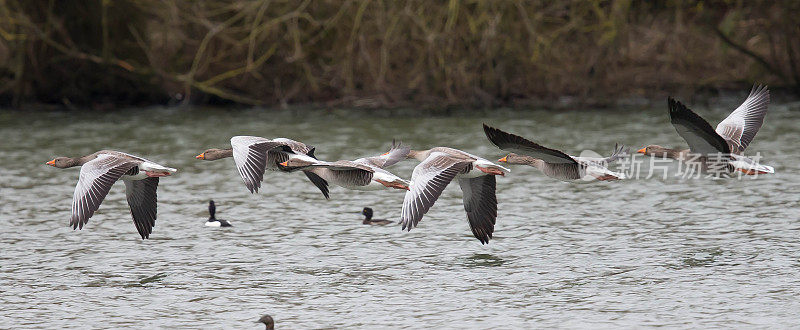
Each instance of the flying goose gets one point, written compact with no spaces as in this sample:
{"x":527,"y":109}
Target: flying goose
{"x":98,"y":173}
{"x":254,"y":155}
{"x":361,"y":174}
{"x":441,"y":165}
{"x":212,"y":219}
{"x":554,"y":163}
{"x":729,"y":140}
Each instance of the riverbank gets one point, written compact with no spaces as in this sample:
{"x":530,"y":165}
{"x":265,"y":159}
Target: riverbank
{"x":105,"y":55}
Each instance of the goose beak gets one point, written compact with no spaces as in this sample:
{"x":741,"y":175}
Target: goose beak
{"x":51,"y":163}
{"x":641,"y":151}
{"x":286,"y":163}
{"x":201,"y":156}
{"x":503,"y":160}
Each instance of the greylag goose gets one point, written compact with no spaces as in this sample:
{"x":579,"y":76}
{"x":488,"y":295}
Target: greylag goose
{"x":729,"y":140}
{"x":212,"y":219}
{"x":368,"y":220}
{"x":100,"y":170}
{"x":554,"y":163}
{"x":254,"y":155}
{"x":361,"y":174}
{"x":476,"y":176}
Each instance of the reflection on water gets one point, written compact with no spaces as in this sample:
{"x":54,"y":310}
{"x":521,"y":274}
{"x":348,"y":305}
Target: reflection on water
{"x":645,"y":252}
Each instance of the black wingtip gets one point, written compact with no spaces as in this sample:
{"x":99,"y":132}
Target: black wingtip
{"x":319,"y":182}
{"x":492,"y":134}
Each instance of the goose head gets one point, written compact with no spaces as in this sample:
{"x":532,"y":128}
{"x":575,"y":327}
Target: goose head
{"x":515,"y":159}
{"x":214,"y":154}
{"x":297,"y":161}
{"x":653,"y":150}
{"x":62,"y":162}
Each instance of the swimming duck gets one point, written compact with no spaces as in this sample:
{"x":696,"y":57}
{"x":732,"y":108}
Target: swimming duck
{"x":554,"y":163}
{"x":361,"y":174}
{"x":254,"y":155}
{"x":100,"y":170}
{"x":268,"y":322}
{"x":729,"y":140}
{"x":476,"y":176}
{"x":212,"y":220}
{"x":368,"y":220}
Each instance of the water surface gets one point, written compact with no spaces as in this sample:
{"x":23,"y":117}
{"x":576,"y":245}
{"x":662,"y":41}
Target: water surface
{"x":641,"y":252}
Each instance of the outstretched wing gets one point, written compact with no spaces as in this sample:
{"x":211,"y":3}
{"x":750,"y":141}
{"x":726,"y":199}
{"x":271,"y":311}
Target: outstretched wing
{"x":480,"y":202}
{"x":741,"y":126}
{"x":96,"y":178}
{"x":702,"y":139}
{"x":250,"y":155}
{"x":319,"y":182}
{"x":393,"y":156}
{"x":619,"y":152}
{"x":522,"y":146}
{"x":141,"y":195}
{"x":427,"y":183}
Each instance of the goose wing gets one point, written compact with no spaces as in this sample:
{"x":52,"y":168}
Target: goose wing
{"x":348,"y":173}
{"x":702,"y":139}
{"x":427,"y":183}
{"x":395,"y":155}
{"x":741,"y":126}
{"x":250,"y":154}
{"x":141,"y":195}
{"x":296,"y":146}
{"x":522,"y":146}
{"x":619,"y":152}
{"x":480,"y":202}
{"x":96,"y":178}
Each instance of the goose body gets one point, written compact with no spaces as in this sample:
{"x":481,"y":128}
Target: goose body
{"x":554,"y":163}
{"x":254,"y":155}
{"x":100,"y":170}
{"x":212,"y":219}
{"x":718,"y":150}
{"x":438,"y":167}
{"x":366,"y":173}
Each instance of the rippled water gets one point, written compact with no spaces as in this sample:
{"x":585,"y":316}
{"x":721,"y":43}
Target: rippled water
{"x":640,"y":252}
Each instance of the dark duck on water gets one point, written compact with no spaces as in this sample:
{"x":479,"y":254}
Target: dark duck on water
{"x":212,"y":220}
{"x":367,"y":212}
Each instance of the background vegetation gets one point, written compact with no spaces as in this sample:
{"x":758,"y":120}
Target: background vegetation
{"x":103,"y":53}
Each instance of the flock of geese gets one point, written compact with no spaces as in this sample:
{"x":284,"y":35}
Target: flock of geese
{"x":438,"y":167}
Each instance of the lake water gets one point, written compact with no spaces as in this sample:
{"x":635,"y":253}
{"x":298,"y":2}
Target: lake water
{"x":647,"y":252}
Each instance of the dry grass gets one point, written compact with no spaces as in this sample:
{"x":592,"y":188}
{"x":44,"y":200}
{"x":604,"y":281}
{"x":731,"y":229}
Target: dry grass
{"x":388,"y":53}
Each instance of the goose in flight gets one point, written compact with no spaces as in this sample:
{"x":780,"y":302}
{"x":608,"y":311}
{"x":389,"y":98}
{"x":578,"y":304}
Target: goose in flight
{"x":554,"y":163}
{"x":729,"y":140}
{"x":254,"y":155}
{"x":366,"y":173}
{"x":476,"y":176}
{"x":100,"y":170}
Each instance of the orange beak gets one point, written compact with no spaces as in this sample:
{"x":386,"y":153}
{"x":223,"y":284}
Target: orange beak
{"x":286,"y":163}
{"x":750,"y":172}
{"x":503,"y":160}
{"x":385,"y":153}
{"x":641,"y":151}
{"x":201,"y":156}
{"x":51,"y":163}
